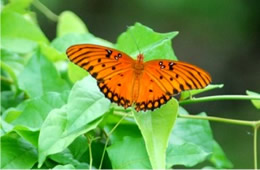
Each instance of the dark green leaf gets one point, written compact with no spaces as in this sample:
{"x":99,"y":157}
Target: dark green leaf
{"x":152,"y":44}
{"x":20,"y":6}
{"x":40,"y":76}
{"x":156,"y":128}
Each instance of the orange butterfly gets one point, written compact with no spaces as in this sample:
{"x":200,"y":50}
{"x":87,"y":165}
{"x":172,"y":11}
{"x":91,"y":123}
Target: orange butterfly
{"x":126,"y":81}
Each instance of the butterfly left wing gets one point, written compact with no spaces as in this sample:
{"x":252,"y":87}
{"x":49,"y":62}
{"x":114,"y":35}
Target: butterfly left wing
{"x":101,"y":62}
{"x":163,"y":79}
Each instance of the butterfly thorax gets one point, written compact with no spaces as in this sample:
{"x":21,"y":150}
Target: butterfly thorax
{"x":139,"y":64}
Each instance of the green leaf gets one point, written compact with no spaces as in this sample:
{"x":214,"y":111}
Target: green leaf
{"x":35,"y":110}
{"x":62,"y":43}
{"x":152,"y":44}
{"x":67,"y":166}
{"x":40,"y":76}
{"x":187,"y":94}
{"x":194,"y":140}
{"x":70,"y":23}
{"x":156,"y":128}
{"x":20,"y":6}
{"x":86,"y":105}
{"x":75,"y":72}
{"x":19,"y":34}
{"x":78,"y":147}
{"x":51,"y":53}
{"x":256,"y":103}
{"x":184,"y":153}
{"x":129,"y":153}
{"x":219,"y":159}
{"x":16,"y":153}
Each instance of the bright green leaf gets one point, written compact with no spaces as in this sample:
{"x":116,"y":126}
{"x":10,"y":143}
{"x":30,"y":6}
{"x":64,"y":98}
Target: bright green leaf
{"x":20,"y":6}
{"x":62,"y":43}
{"x":156,"y":128}
{"x":187,"y":94}
{"x":152,"y":44}
{"x":129,"y":153}
{"x":16,"y":153}
{"x":86,"y":105}
{"x":51,"y":53}
{"x":40,"y":76}
{"x":70,"y":23}
{"x":67,"y":166}
{"x":18,"y":33}
{"x":75,"y":72}
{"x":35,"y":110}
{"x":256,"y":103}
{"x":219,"y":159}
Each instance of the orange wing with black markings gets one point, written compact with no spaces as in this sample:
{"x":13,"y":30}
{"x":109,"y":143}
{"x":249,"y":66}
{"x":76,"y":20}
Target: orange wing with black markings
{"x":126,"y":81}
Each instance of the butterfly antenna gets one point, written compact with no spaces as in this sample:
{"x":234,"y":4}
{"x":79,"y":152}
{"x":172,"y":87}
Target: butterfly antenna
{"x":132,"y":35}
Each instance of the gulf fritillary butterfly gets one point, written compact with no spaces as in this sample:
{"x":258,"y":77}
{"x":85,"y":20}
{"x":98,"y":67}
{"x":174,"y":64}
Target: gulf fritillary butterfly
{"x":126,"y":81}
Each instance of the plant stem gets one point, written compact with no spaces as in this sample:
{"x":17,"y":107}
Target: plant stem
{"x":219,"y":97}
{"x":105,"y":147}
{"x":255,"y":147}
{"x":224,"y":120}
{"x":48,"y":13}
{"x":90,"y":153}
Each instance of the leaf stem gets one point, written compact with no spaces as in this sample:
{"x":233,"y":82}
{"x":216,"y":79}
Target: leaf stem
{"x":218,"y":97}
{"x":107,"y":140}
{"x":46,"y":11}
{"x":90,"y":152}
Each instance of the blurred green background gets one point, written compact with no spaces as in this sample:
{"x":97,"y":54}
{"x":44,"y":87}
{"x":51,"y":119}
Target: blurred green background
{"x":221,"y":36}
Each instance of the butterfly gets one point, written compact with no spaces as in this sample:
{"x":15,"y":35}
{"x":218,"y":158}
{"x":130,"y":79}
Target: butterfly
{"x":129,"y":82}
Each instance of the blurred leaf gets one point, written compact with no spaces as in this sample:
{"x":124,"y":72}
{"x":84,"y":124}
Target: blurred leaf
{"x":67,"y":166}
{"x":16,"y":153}
{"x":51,"y":53}
{"x":10,"y":99}
{"x":130,"y":153}
{"x":218,"y":158}
{"x":35,"y":110}
{"x":156,"y":128}
{"x":40,"y":76}
{"x":62,"y":43}
{"x":19,"y":34}
{"x":86,"y":105}
{"x":256,"y":103}
{"x":187,"y":94}
{"x":76,"y":73}
{"x":152,"y":44}
{"x":20,"y":6}
{"x":70,"y":23}
{"x":194,"y":140}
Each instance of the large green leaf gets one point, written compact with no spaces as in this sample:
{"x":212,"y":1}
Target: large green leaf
{"x":16,"y":153}
{"x":86,"y":105}
{"x":156,"y":128}
{"x":40,"y":76}
{"x":70,"y":23}
{"x":256,"y":103}
{"x":129,"y":153}
{"x":19,"y":34}
{"x":152,"y":44}
{"x":193,"y":139}
{"x":34,"y":111}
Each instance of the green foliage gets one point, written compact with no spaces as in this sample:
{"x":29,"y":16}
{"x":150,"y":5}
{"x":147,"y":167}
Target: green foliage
{"x":53,"y":115}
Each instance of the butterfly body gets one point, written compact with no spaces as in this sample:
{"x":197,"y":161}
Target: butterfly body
{"x":127,"y":82}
